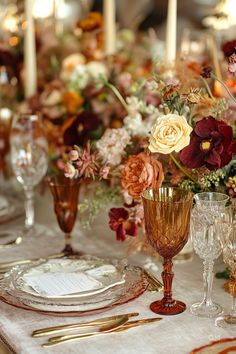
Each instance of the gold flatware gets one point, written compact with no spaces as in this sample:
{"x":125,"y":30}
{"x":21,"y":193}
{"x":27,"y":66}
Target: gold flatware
{"x":5,"y":266}
{"x":127,"y":325}
{"x":136,"y":323}
{"x":102,"y":330}
{"x":155,"y":284}
{"x":68,"y":327}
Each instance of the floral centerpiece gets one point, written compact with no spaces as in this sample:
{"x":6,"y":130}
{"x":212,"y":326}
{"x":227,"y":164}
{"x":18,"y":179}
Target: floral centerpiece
{"x":175,"y":132}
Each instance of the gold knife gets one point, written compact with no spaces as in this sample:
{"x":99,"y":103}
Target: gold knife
{"x":64,"y":339}
{"x":68,"y":327}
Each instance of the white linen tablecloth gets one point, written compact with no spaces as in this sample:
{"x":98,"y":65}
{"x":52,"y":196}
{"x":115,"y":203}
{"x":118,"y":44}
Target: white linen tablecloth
{"x":173,"y":335}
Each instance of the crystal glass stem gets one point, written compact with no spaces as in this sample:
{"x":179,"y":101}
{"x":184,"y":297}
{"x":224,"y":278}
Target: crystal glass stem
{"x":167,"y":277}
{"x":29,"y":208}
{"x":207,"y":281}
{"x":233,"y":308}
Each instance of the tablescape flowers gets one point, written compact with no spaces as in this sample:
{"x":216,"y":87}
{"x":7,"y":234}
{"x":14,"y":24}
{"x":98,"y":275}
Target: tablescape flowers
{"x":174,"y":133}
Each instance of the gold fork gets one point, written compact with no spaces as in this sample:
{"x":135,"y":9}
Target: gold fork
{"x":109,"y":329}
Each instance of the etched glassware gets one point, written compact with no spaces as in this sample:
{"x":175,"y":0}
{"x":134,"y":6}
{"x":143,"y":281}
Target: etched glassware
{"x":167,"y":218}
{"x":65,"y":192}
{"x":29,"y":158}
{"x":210,"y":207}
{"x":227,"y":231}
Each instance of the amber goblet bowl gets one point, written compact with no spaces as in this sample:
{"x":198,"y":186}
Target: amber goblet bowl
{"x":65,"y":192}
{"x":167,"y":218}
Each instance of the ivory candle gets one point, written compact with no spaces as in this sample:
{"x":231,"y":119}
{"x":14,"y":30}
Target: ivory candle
{"x":30,"y":72}
{"x":109,"y":12}
{"x":171,"y":31}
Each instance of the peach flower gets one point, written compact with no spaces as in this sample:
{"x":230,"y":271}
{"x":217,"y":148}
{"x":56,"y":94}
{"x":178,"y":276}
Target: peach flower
{"x":141,"y":172}
{"x":171,"y":132}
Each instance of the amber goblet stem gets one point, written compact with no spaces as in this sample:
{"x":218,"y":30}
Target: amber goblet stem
{"x":68,"y":249}
{"x":167,"y":277}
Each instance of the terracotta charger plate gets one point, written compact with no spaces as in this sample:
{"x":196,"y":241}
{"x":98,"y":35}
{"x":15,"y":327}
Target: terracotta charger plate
{"x":222,"y":346}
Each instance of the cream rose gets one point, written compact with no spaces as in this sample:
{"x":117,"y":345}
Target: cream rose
{"x":171,"y":132}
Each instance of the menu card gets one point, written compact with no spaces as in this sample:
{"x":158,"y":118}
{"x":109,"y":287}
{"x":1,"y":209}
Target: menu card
{"x":58,"y":284}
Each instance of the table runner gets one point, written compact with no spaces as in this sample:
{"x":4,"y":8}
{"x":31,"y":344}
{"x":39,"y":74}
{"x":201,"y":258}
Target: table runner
{"x":173,"y":335}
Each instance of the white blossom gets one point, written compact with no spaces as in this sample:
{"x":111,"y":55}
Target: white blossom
{"x":111,"y":146}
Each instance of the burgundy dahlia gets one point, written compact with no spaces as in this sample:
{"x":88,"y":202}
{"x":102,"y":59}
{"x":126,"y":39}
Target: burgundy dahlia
{"x":211,"y":145}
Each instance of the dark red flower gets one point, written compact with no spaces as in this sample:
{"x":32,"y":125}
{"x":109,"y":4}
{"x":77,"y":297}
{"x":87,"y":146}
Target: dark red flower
{"x":119,"y":222}
{"x":206,"y":72}
{"x":229,"y":48}
{"x":82,"y":129}
{"x":211,"y":145}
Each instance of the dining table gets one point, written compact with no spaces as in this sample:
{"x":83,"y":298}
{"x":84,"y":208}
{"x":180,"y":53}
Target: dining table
{"x":178,"y":334}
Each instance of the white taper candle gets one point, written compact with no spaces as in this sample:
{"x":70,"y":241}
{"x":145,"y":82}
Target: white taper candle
{"x":171,"y":29}
{"x":30,"y":72}
{"x":109,"y":13}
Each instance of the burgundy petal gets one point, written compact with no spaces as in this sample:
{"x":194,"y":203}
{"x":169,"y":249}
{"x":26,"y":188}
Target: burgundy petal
{"x":131,"y":228}
{"x":213,"y":160}
{"x":120,"y":233}
{"x":205,"y":126}
{"x":192,"y":156}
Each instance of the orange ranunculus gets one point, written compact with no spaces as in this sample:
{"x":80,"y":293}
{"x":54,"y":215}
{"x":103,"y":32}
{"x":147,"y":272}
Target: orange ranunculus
{"x":140,"y":172}
{"x":72,"y":101}
{"x":91,"y":22}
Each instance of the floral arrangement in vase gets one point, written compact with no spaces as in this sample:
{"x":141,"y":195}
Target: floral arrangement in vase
{"x":175,"y":132}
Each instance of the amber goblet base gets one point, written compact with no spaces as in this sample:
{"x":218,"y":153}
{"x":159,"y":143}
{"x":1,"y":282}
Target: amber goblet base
{"x":165,"y":307}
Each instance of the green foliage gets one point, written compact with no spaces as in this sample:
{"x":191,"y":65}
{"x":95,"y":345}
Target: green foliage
{"x":90,"y":208}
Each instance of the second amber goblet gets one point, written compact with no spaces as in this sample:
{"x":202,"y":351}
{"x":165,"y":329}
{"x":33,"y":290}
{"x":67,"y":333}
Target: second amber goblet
{"x":65,"y":193}
{"x":167,"y":219}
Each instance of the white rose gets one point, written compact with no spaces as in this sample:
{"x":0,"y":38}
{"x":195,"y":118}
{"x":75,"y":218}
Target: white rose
{"x":171,"y":132}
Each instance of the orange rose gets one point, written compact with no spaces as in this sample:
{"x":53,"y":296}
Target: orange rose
{"x":141,"y":172}
{"x":72,"y":101}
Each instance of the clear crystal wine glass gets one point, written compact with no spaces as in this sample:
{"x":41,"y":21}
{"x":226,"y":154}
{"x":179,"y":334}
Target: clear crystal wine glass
{"x":227,"y":231}
{"x":208,"y":209}
{"x":29,"y":158}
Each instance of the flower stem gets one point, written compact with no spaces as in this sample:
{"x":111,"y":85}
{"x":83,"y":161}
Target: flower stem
{"x":182,"y":169}
{"x":225,"y":87}
{"x":208,"y":88}
{"x":117,"y":94}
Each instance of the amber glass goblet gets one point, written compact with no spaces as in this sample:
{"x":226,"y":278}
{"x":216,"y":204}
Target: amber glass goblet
{"x":167,"y":218}
{"x":65,"y":192}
